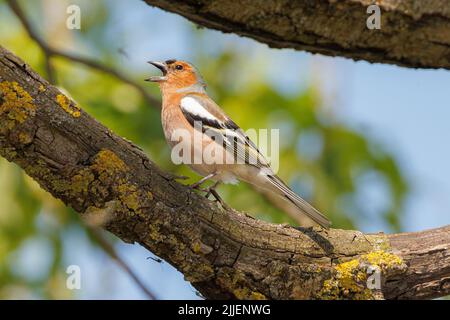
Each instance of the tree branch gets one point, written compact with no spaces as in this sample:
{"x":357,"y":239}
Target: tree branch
{"x":223,"y":253}
{"x":413,"y":33}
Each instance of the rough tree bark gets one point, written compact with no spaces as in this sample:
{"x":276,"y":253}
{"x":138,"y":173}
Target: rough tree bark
{"x":414,"y":33}
{"x":223,"y":253}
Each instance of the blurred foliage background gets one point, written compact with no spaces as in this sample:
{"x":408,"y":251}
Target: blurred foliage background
{"x":322,"y":158}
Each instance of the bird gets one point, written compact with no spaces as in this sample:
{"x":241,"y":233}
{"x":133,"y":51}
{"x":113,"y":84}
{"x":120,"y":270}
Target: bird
{"x":193,"y":123}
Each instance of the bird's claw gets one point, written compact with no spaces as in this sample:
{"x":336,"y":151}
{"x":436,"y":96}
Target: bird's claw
{"x":218,"y":198}
{"x":212,"y":191}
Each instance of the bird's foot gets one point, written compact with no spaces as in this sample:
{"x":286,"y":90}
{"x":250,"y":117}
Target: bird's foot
{"x":197,"y":184}
{"x":219,"y":199}
{"x":212,"y":191}
{"x":208,"y":191}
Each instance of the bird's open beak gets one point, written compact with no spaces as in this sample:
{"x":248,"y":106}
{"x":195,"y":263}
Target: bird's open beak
{"x":161,"y":66}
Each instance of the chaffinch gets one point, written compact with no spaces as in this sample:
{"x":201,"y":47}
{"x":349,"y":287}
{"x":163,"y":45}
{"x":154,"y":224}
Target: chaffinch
{"x":209,"y":142}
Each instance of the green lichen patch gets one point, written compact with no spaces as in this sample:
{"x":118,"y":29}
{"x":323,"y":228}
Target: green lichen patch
{"x":130,"y":196}
{"x":201,"y":248}
{"x":80,"y":182}
{"x":112,"y":175}
{"x":109,"y":170}
{"x":234,"y":281}
{"x":105,"y":179}
{"x":108,"y":163}
{"x":25,"y":137}
{"x":247,"y":294}
{"x":68,"y":105}
{"x":154,"y":232}
{"x":16,"y":105}
{"x":8,"y":153}
{"x":350,"y":278}
{"x":197,"y":273}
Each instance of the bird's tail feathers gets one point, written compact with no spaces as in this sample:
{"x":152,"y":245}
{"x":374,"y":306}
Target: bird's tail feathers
{"x":300,"y":203}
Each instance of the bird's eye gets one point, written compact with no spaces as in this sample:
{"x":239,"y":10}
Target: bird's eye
{"x":179,"y":67}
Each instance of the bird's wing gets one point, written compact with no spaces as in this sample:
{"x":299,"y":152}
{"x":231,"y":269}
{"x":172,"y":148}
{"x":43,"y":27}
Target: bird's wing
{"x":216,"y":123}
{"x":212,"y":119}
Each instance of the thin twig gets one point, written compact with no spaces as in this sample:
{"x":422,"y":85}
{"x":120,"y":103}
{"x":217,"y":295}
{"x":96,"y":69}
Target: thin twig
{"x":50,"y":52}
{"x":111,"y":71}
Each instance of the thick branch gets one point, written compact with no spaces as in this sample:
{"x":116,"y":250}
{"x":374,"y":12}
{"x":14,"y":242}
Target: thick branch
{"x":413,"y":33}
{"x":223,"y":253}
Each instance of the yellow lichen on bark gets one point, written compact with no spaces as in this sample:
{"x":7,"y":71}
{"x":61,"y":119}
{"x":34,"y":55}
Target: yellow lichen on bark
{"x":80,"y":182}
{"x":69,"y":106}
{"x":16,"y":104}
{"x":25,"y":138}
{"x":383,"y":259}
{"x":247,"y":294}
{"x":234,"y":281}
{"x":197,"y":247}
{"x":112,"y":170}
{"x":129,"y":195}
{"x":350,"y":278}
{"x":108,"y":165}
{"x":106,"y":176}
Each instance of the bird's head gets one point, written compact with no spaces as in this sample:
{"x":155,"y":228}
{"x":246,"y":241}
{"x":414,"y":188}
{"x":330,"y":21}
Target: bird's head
{"x":177,"y":75}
